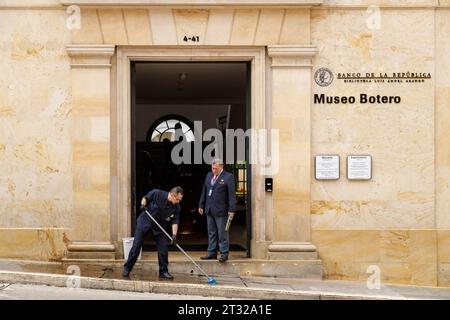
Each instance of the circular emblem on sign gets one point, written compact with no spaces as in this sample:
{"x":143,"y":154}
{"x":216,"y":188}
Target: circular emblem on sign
{"x":323,"y":77}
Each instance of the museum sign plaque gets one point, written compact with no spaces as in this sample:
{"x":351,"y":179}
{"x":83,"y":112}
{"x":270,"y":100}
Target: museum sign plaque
{"x":327,"y":167}
{"x":359,"y":167}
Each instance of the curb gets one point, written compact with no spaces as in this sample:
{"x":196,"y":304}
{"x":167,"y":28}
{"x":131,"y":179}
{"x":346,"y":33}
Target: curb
{"x":58,"y":280}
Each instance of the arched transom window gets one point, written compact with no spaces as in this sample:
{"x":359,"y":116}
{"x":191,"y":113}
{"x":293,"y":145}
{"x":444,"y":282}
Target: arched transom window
{"x":166,"y":130}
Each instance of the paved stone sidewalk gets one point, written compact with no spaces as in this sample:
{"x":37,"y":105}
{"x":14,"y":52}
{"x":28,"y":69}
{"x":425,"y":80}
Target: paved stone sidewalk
{"x":34,"y":292}
{"x":143,"y":279}
{"x":347,"y":288}
{"x":234,"y":287}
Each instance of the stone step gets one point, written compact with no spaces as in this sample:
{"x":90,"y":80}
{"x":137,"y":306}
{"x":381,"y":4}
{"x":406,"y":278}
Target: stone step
{"x":91,"y":250}
{"x":300,"y":269}
{"x":91,"y":255}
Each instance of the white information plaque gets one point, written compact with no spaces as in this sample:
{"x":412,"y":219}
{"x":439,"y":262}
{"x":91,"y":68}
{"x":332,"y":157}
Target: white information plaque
{"x":359,"y":167}
{"x":327,"y":167}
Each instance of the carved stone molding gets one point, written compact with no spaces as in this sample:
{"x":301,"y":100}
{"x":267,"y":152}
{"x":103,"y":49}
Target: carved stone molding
{"x":291,"y":56}
{"x":98,"y":55}
{"x":195,"y":3}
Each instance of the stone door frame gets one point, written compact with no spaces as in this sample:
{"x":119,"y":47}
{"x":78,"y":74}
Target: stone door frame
{"x":121,"y":128}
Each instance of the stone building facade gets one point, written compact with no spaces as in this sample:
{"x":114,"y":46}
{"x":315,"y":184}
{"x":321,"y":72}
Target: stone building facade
{"x":65,"y":125}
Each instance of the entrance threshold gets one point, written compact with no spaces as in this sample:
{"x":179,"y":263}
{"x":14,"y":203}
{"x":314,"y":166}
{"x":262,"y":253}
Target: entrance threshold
{"x":237,"y":265}
{"x":178,"y":256}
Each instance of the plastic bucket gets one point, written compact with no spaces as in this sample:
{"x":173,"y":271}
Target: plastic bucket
{"x":127,"y":245}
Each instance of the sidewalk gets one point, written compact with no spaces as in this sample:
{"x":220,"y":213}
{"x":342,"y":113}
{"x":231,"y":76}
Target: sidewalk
{"x":232,"y":287}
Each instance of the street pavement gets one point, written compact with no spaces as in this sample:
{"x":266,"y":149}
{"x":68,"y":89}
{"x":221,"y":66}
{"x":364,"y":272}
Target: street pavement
{"x":38,"y":292}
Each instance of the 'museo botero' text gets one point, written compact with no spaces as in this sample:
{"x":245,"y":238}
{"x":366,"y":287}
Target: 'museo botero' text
{"x":362,"y":99}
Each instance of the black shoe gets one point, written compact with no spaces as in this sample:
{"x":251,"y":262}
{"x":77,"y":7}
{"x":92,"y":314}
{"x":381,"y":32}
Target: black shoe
{"x":126,"y":274}
{"x":209,"y":257}
{"x":223,"y":258}
{"x":165,"y":275}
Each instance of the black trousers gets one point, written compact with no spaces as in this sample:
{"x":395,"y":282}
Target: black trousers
{"x":144,"y":224}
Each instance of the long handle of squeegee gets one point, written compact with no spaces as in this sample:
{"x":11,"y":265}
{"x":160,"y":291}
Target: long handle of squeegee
{"x":178,"y":246}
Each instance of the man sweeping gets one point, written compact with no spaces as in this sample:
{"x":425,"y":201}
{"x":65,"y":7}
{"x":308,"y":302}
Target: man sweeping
{"x":164,"y":207}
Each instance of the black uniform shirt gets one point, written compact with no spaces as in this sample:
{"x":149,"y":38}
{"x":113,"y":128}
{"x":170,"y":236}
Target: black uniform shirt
{"x":161,"y":209}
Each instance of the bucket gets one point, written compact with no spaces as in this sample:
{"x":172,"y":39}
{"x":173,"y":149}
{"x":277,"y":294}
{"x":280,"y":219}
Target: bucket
{"x":127,"y":245}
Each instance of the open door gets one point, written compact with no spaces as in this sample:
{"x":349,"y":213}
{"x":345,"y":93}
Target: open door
{"x":167,"y":96}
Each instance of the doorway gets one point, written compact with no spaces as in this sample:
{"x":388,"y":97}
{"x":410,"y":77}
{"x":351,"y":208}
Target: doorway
{"x":171,"y":96}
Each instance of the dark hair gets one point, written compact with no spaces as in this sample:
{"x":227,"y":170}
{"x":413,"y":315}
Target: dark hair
{"x":177,"y":190}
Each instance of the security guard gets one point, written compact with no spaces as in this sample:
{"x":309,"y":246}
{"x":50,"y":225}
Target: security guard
{"x":218,"y":202}
{"x":164,"y":207}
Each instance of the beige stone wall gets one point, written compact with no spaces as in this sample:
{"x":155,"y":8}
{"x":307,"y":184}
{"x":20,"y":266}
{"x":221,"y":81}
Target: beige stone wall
{"x":55,"y":154}
{"x":35,"y":122}
{"x":398,"y":220}
{"x":363,"y":4}
{"x":91,"y":153}
{"x":399,"y":137}
{"x":443,"y":144}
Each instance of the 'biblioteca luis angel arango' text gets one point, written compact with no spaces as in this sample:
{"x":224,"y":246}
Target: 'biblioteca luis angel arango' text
{"x":363,"y":99}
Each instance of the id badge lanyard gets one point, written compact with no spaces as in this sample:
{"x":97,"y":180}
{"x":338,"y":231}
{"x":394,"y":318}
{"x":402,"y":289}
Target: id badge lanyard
{"x":212,"y":186}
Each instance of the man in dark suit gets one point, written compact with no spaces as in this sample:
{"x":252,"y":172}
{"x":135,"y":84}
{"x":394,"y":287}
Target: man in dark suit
{"x":218,"y":202}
